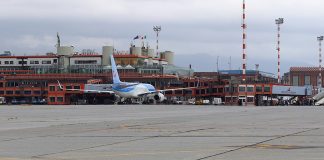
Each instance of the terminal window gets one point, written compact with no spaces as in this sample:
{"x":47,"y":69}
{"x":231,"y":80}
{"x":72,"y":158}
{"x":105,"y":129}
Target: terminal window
{"x":34,"y":62}
{"x":295,"y":80}
{"x":59,"y":99}
{"x":85,"y":61}
{"x":188,"y":92}
{"x":52,"y":99}
{"x":11,"y":84}
{"x":168,"y":92}
{"x":242,"y":89}
{"x":68,"y":87}
{"x":178,"y":92}
{"x":250,"y":89}
{"x":250,"y":99}
{"x":22,"y":62}
{"x":52,"y":88}
{"x":227,"y":89}
{"x":258,"y":88}
{"x":46,"y":62}
{"x":9,"y":92}
{"x":37,"y":92}
{"x":266,"y":88}
{"x":76,"y":87}
{"x":307,"y":80}
{"x":27,"y":92}
{"x":8,"y":62}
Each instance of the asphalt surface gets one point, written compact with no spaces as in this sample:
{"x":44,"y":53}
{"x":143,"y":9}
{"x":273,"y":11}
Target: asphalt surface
{"x":161,"y":133}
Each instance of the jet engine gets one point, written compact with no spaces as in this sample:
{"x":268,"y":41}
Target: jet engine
{"x":159,"y":97}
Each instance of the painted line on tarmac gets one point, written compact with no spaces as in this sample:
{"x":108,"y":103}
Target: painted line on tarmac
{"x":255,"y":144}
{"x":83,"y":131}
{"x":123,"y":142}
{"x":187,"y":136}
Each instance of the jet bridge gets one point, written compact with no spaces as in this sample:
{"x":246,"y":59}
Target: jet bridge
{"x":97,"y":88}
{"x":291,"y":90}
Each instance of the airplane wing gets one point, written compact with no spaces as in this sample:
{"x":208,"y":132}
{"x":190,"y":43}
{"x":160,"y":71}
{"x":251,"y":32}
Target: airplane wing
{"x":174,"y":89}
{"x":86,"y":90}
{"x":97,"y":91}
{"x":164,"y":90}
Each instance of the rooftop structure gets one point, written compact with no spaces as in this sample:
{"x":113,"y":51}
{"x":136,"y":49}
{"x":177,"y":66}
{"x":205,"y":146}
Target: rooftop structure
{"x":141,"y":59}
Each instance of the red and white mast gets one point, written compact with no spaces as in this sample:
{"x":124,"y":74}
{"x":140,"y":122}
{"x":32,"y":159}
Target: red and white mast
{"x":319,"y":83}
{"x":244,"y":44}
{"x":279,"y":21}
{"x":157,"y":30}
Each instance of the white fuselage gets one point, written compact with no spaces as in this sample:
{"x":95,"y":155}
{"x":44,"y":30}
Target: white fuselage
{"x":133,"y":91}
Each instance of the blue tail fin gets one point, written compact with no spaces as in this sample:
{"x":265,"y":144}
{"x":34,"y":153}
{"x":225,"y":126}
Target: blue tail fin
{"x":114,"y":70}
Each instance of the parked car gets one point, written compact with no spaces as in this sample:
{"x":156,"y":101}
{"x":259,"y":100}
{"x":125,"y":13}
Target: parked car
{"x":21,"y":101}
{"x":39,"y":101}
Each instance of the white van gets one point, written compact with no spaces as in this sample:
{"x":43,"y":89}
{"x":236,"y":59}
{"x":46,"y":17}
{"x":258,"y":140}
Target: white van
{"x":217,"y":101}
{"x":2,"y":100}
{"x":206,"y":101}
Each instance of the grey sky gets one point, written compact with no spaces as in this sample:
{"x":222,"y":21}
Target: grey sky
{"x":201,"y":30}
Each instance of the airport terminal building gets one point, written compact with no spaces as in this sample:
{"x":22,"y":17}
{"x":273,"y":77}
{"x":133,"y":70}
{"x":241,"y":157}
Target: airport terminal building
{"x":33,"y":78}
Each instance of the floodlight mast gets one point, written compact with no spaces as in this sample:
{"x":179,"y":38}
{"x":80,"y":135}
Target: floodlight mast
{"x":279,"y":21}
{"x":157,"y":30}
{"x":319,"y":83}
{"x":244,"y":52}
{"x":244,"y":44}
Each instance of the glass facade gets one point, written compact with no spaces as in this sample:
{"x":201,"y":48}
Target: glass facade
{"x":307,"y":80}
{"x":241,"y":89}
{"x":295,"y":81}
{"x":250,"y":89}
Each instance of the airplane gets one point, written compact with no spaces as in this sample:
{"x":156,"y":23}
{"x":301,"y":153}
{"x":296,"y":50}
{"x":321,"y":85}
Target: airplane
{"x":128,"y":89}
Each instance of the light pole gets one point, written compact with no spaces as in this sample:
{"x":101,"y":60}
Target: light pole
{"x":244,"y":51}
{"x":157,"y":30}
{"x":319,"y":83}
{"x":279,"y":21}
{"x":244,"y":43}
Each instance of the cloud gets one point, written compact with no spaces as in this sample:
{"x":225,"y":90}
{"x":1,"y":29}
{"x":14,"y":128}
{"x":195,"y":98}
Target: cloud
{"x":28,"y":44}
{"x":203,"y":29}
{"x":34,"y":42}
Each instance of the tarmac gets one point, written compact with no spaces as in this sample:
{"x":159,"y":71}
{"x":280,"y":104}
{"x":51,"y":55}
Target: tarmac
{"x":161,"y":132}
